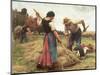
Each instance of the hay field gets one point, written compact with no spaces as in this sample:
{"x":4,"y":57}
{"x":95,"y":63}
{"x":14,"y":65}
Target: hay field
{"x":25,"y":55}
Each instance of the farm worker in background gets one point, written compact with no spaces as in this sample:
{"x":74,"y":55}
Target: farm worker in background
{"x":48,"y":58}
{"x":23,"y":35}
{"x":75,"y":32}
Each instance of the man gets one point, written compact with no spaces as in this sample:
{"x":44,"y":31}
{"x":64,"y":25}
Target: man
{"x":75,"y":32}
{"x":23,"y":35}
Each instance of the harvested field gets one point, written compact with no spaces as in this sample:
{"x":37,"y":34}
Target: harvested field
{"x":25,"y":55}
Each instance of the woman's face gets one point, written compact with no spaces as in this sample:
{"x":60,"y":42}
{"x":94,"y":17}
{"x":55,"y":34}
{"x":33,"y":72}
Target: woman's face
{"x":51,"y":18}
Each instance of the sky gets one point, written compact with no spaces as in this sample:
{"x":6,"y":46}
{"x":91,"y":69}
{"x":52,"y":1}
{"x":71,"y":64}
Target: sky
{"x":74,"y":12}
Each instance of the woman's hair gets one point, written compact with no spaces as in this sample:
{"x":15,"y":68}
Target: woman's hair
{"x":50,"y":14}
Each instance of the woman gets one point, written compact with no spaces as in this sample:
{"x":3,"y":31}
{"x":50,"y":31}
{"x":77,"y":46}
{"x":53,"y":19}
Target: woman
{"x":48,"y":57}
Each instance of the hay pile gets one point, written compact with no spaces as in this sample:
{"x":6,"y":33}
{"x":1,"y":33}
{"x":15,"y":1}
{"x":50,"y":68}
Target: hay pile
{"x":66,"y":58}
{"x":33,"y":50}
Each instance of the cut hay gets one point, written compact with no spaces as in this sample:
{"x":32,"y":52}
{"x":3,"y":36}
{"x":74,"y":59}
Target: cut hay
{"x":66,"y":58}
{"x":33,"y":50}
{"x":19,"y":69}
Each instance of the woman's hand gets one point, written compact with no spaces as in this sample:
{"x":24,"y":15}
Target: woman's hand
{"x":57,"y":36}
{"x":60,"y":41}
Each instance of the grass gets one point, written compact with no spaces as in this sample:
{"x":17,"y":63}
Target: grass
{"x":88,"y":40}
{"x":23,"y":55}
{"x":17,"y":55}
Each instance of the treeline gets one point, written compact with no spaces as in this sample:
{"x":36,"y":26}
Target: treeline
{"x":91,"y":34}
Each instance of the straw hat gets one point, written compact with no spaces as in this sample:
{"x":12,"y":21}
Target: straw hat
{"x":65,"y":20}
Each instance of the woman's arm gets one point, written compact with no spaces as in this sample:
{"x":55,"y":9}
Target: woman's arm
{"x":54,"y":31}
{"x":57,"y":36}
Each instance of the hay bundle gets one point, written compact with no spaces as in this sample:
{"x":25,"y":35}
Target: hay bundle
{"x":66,"y":58}
{"x":60,"y":51}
